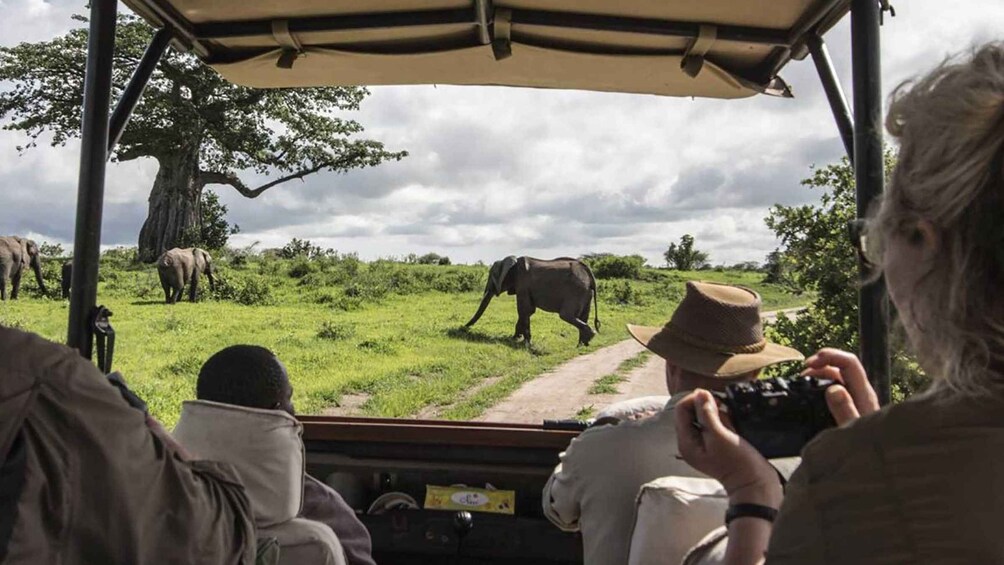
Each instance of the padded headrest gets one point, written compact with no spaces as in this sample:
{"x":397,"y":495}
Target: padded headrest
{"x":672,"y":514}
{"x":265,"y":446}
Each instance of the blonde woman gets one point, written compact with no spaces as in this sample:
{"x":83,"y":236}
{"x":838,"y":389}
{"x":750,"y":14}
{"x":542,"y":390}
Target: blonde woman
{"x":921,"y":481}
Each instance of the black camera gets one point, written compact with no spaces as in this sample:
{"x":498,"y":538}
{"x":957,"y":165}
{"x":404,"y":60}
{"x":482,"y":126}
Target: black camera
{"x":779,"y":416}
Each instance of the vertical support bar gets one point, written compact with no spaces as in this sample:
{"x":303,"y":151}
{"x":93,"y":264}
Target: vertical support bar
{"x":869,"y":177}
{"x":91,"y":185}
{"x":834,"y":94}
{"x":134,"y":90}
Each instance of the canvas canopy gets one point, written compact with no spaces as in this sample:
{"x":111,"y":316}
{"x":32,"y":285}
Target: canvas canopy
{"x":707,"y":48}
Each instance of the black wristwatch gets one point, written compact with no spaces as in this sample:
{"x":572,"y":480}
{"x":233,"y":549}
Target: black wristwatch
{"x":750,"y":511}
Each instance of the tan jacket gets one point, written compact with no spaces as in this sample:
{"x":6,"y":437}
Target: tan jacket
{"x":594,"y":488}
{"x":99,"y":488}
{"x":917,"y":482}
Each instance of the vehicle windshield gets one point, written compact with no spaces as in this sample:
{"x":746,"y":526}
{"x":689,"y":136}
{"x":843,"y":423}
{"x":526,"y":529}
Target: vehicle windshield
{"x":363,"y":275}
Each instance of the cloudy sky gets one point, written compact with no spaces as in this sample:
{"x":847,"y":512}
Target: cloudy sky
{"x":496,"y":171}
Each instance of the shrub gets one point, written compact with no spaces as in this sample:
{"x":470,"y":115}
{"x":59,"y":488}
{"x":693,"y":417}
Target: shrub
{"x":300,"y":268}
{"x":432,"y":259}
{"x":248,"y":290}
{"x":335,"y":330}
{"x":300,"y":248}
{"x":607,"y":266}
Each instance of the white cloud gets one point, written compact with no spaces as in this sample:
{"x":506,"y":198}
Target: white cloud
{"x":497,"y":171}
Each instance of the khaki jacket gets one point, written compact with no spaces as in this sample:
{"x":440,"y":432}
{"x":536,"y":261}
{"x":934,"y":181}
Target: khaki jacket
{"x":593,"y":489}
{"x":99,"y":488}
{"x":917,"y":482}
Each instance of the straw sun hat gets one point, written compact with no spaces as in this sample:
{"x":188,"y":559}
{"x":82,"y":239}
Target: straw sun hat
{"x":715,"y":331}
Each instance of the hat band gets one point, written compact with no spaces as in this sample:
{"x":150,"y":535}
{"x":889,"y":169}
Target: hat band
{"x":703,"y":344}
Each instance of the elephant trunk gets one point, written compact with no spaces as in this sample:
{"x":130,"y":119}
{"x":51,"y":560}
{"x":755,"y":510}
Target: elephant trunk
{"x":481,"y":309}
{"x":36,"y":265}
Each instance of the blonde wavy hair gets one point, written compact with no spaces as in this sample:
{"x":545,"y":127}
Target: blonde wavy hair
{"x":950,"y":172}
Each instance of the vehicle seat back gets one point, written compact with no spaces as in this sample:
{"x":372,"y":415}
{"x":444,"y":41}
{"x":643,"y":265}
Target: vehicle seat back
{"x":266,"y":449}
{"x":672,"y":514}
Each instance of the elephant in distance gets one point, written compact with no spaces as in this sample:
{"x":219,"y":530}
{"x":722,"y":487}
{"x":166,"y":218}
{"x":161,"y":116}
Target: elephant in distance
{"x":564,"y":286}
{"x":179,"y":268}
{"x":17,"y":254}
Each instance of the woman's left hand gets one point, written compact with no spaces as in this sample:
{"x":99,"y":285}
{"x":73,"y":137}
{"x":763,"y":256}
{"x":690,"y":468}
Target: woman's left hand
{"x":713,"y":448}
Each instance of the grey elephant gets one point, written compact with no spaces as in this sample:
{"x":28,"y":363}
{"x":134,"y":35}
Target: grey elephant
{"x":179,"y":268}
{"x":17,"y":254}
{"x":66,"y":277}
{"x":562,"y":285}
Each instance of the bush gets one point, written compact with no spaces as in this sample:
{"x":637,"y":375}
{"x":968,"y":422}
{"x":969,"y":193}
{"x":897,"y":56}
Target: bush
{"x":300,"y":248}
{"x":300,"y":268}
{"x":335,"y":330}
{"x":249,"y":290}
{"x":607,"y":266}
{"x":431,"y":259}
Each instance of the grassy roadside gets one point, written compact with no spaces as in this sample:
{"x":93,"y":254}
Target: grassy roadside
{"x":403,"y":352}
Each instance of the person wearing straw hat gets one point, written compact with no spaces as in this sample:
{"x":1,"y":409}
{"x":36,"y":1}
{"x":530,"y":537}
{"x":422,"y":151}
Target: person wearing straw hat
{"x":714,"y":338}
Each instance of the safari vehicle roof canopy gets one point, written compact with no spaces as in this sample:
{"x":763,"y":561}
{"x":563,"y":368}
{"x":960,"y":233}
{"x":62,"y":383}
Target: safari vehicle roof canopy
{"x":706,"y":48}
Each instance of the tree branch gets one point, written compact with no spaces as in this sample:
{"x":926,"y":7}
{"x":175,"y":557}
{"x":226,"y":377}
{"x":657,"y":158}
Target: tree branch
{"x":215,"y":177}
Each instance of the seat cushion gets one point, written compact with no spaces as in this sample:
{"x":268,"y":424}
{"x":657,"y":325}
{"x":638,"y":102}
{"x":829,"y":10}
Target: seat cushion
{"x":264,"y":446}
{"x":305,"y":542}
{"x":671,"y":515}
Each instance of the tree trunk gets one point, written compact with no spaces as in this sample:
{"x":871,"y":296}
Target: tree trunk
{"x":174,"y":202}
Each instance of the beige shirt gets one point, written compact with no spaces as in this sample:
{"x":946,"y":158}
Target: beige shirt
{"x":917,"y":482}
{"x":593,"y":489}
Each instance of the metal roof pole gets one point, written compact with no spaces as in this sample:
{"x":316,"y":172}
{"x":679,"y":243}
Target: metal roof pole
{"x":834,"y":94}
{"x":134,"y":90}
{"x":869,"y":177}
{"x":91,"y":185}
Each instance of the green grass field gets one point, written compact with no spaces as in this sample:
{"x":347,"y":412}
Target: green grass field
{"x":400,"y":348}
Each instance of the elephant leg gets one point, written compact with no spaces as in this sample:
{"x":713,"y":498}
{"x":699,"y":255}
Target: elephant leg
{"x":15,"y":282}
{"x":586,"y":333}
{"x":193,"y":287}
{"x":525,"y":309}
{"x":3,"y":288}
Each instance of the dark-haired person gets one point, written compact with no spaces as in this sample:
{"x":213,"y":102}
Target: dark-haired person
{"x":252,"y":376}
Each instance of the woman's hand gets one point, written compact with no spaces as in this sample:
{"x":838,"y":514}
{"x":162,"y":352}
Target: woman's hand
{"x":713,"y":448}
{"x":856,"y":397}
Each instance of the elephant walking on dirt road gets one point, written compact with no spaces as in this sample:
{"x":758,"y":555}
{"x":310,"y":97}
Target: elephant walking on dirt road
{"x":182,"y":267}
{"x":17,"y":254}
{"x":563,"y":285}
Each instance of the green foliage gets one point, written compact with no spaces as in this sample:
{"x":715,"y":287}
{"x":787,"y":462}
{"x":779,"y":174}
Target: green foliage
{"x":432,"y":259}
{"x":300,"y":248}
{"x":609,"y":266}
{"x":214,"y":231}
{"x":684,"y":257}
{"x":47,"y":249}
{"x":818,"y":256}
{"x":336,"y":330}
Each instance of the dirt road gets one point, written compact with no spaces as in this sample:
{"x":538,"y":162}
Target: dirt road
{"x":565,"y":391}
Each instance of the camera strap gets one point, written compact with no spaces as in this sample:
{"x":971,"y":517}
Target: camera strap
{"x":104,"y":335}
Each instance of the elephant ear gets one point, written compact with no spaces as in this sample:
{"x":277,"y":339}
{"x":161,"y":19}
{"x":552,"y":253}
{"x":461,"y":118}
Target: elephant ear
{"x":499,"y":275}
{"x":25,"y":257}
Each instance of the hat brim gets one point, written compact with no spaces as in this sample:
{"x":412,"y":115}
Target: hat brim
{"x":710,"y":363}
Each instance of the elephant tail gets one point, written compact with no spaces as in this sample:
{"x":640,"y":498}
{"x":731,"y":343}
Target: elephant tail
{"x":596,"y":301}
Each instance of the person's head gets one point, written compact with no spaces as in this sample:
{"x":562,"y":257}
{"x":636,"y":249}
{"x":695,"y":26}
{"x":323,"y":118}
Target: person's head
{"x":940,"y":225}
{"x":246,"y":375}
{"x":714,"y":338}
